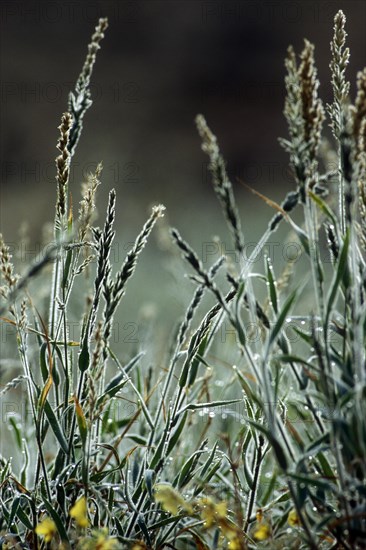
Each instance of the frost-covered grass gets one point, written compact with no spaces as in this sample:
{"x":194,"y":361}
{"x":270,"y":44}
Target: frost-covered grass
{"x":255,"y":440}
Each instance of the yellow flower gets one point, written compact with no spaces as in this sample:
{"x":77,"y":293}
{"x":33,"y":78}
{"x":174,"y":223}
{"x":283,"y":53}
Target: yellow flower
{"x":262,"y":532}
{"x":293,"y":519}
{"x":103,"y":542}
{"x":139,"y":545}
{"x":212,"y":512}
{"x":79,"y":512}
{"x":98,"y":541}
{"x":235,"y":544}
{"x":170,"y":499}
{"x":229,"y":529}
{"x":47,"y":529}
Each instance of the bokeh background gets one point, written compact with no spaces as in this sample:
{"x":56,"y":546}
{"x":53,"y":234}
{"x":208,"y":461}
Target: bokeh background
{"x":161,"y":63}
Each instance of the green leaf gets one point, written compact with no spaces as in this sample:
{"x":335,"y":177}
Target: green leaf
{"x":99,"y":476}
{"x":84,"y":357}
{"x":67,"y":268}
{"x":281,"y":318}
{"x":276,"y":446}
{"x":113,"y":387}
{"x":247,"y":473}
{"x":23,"y":472}
{"x":306,"y":337}
{"x":24,"y":518}
{"x":212,"y":404}
{"x":176,"y":434}
{"x":149,"y":477}
{"x":209,"y":460}
{"x":249,"y":393}
{"x":186,"y":472}
{"x":326,"y":467}
{"x":196,"y":361}
{"x":308,"y":480}
{"x":158,"y":452}
{"x":295,"y":359}
{"x":341,"y":269}
{"x":5,"y":470}
{"x":269,"y":491}
{"x":137,"y":438}
{"x":13,"y":511}
{"x":142,"y":524}
{"x":17,"y":432}
{"x":56,"y":427}
{"x":192,"y":350}
{"x":324,"y":207}
{"x":202,"y":484}
{"x":303,"y":238}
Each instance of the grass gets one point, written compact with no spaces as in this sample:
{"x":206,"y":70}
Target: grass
{"x":256,"y":440}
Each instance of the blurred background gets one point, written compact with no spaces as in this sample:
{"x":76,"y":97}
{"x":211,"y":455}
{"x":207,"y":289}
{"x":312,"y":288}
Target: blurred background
{"x":161,"y":63}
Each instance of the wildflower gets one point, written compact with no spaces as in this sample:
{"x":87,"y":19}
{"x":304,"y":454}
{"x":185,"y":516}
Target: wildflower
{"x":235,"y":544}
{"x":99,"y":541}
{"x":47,"y":529}
{"x":215,"y":514}
{"x":262,"y":532}
{"x":212,"y":512}
{"x":293,"y":519}
{"x":103,"y":542}
{"x":231,"y":532}
{"x":170,"y":499}
{"x":139,"y":545}
{"x":79,"y":512}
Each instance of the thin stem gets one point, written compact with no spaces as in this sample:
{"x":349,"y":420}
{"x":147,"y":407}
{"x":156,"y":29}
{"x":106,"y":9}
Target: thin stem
{"x":254,"y":488}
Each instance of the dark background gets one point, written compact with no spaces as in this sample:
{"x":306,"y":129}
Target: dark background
{"x":161,"y":63}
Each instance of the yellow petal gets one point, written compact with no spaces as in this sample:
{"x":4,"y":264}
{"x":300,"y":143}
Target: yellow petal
{"x":103,"y":542}
{"x":235,"y":544}
{"x":293,"y":519}
{"x":262,"y":532}
{"x":212,"y":512}
{"x":221,"y":509}
{"x":229,"y":529}
{"x":79,"y":512}
{"x":47,"y":529}
{"x":106,"y":544}
{"x":207,"y":511}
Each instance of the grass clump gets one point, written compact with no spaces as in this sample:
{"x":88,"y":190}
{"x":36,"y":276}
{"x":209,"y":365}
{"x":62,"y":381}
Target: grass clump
{"x":184,"y":469}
